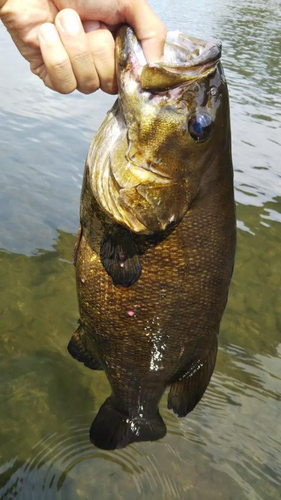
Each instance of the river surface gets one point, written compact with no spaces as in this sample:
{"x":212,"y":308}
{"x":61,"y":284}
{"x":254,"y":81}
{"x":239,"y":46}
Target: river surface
{"x":229,"y":447}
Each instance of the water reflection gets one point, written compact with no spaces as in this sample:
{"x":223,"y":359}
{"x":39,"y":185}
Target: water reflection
{"x":253,"y":75}
{"x":214,"y":454}
{"x":227,"y":444}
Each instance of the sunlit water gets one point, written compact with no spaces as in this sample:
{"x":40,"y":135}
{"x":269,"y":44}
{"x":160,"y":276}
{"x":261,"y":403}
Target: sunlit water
{"x":229,"y":447}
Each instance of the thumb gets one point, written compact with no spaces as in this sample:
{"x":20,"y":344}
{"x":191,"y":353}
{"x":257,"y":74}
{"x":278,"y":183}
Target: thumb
{"x":147,"y":26}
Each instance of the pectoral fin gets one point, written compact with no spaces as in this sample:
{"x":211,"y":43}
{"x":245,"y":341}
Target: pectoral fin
{"x":120,"y":258}
{"x":187,"y":392}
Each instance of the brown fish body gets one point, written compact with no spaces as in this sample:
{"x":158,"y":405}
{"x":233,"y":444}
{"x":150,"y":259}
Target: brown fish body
{"x":160,"y":329}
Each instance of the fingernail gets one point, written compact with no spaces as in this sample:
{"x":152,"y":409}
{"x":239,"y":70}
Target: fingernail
{"x":91,"y":26}
{"x":49,"y":33}
{"x":69,"y":22}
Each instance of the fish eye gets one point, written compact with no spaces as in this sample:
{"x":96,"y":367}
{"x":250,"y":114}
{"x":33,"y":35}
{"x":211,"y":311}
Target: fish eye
{"x":214,"y":91}
{"x":200,"y":126}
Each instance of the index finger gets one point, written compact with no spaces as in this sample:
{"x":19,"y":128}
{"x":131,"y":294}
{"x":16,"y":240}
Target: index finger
{"x":148,"y":28}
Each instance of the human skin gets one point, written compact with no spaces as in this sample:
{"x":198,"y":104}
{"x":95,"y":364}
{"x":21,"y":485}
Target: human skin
{"x":70,"y":43}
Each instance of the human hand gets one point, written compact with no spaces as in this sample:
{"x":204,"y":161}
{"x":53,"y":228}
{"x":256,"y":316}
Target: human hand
{"x":70,"y":43}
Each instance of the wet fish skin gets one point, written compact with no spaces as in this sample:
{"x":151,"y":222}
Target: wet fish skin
{"x":161,"y":330}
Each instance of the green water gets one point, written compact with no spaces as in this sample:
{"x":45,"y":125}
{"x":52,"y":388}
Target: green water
{"x":229,"y":447}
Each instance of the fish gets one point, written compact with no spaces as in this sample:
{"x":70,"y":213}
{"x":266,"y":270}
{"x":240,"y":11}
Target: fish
{"x":155,"y":248}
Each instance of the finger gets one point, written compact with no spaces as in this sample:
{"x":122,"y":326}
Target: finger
{"x":147,"y":26}
{"x":91,"y":25}
{"x":75,"y":42}
{"x":60,"y":76}
{"x":102,"y":46}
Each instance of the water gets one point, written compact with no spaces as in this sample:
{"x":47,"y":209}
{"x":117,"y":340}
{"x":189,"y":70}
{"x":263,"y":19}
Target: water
{"x":229,"y":447}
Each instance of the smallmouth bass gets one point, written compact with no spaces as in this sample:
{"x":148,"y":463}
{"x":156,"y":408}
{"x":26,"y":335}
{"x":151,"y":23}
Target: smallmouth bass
{"x":155,"y":249}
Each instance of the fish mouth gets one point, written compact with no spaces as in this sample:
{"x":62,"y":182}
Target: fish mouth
{"x":186,"y":59}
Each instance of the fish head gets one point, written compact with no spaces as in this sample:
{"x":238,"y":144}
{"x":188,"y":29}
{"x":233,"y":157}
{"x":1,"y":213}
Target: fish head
{"x":176,"y":111}
{"x":163,"y":140}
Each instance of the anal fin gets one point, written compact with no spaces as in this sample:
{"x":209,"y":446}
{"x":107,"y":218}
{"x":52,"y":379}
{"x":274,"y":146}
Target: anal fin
{"x":78,"y":350}
{"x":187,"y":392}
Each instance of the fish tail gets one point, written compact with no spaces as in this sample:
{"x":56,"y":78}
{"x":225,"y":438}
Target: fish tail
{"x":112,"y":429}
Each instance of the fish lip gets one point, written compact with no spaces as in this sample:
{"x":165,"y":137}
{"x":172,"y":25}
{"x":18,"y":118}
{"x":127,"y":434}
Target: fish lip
{"x":131,"y":59}
{"x":211,"y":53}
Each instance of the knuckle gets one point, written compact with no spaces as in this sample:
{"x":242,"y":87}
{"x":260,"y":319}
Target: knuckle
{"x":60,"y":67}
{"x":89,"y":86}
{"x":11,"y":18}
{"x":158,"y":31}
{"x":7,"y":11}
{"x":38,"y":70}
{"x":81,"y":57}
{"x":62,"y":77}
{"x":124,"y":5}
{"x":103,"y":44}
{"x":66,"y":91}
{"x":65,"y":88}
{"x":162,"y":31}
{"x":109,"y":85}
